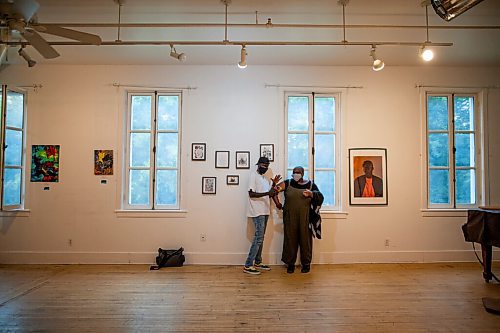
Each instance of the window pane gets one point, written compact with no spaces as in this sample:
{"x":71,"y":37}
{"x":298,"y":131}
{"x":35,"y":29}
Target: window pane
{"x":298,"y":111}
{"x":464,"y":113}
{"x":437,"y":110}
{"x":465,"y":149}
{"x":324,"y":114}
{"x":168,"y":107}
{"x":298,"y":147}
{"x":12,"y":187}
{"x":166,"y":187}
{"x":139,"y":187}
{"x":324,"y":153}
{"x":14,"y":150}
{"x":439,"y":187}
{"x":141,"y":113}
{"x":167,"y":150}
{"x":15,"y":108}
{"x":438,"y":149}
{"x":466,"y":187}
{"x":139,"y":149}
{"x":325,"y":180}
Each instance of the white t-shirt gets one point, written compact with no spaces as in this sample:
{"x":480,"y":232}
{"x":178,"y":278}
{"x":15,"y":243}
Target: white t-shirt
{"x":258,"y":206}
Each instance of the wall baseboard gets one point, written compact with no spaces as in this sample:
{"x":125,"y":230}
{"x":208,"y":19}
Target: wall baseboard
{"x":198,"y":258}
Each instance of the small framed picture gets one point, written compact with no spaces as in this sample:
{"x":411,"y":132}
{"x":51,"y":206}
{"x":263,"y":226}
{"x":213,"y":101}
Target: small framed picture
{"x":208,"y":185}
{"x":232,"y":180}
{"x":367,"y":176}
{"x":267,"y":150}
{"x":242,"y":160}
{"x":198,"y":151}
{"x":222,"y":159}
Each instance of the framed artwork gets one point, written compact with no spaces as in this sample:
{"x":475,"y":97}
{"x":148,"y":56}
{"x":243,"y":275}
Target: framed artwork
{"x":368,"y":176}
{"x":232,"y":180}
{"x":208,"y":185}
{"x":45,"y":163}
{"x":103,"y":162}
{"x":242,"y":160}
{"x":198,"y":151}
{"x":267,"y":150}
{"x":222,"y":159}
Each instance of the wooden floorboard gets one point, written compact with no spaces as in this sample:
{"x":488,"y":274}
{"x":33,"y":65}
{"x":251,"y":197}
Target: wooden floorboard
{"x":332,"y":298}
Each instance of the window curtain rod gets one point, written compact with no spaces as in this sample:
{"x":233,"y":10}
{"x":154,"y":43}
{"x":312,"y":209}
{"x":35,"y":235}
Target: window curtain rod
{"x":118,"y":85}
{"x":296,"y":86}
{"x":465,"y":87}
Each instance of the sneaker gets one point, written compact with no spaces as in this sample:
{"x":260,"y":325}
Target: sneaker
{"x":250,"y":270}
{"x":290,"y":269}
{"x":262,"y":267}
{"x":305,"y":269}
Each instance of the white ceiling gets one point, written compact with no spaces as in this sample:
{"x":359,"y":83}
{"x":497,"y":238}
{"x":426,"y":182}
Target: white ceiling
{"x":471,"y":46}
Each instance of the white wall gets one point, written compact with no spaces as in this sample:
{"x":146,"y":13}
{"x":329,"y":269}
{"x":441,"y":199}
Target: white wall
{"x":230,"y":109}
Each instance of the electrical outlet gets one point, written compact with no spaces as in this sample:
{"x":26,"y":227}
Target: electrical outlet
{"x":203,"y":237}
{"x":387,"y":242}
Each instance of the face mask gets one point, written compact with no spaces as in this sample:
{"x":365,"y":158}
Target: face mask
{"x":296,"y":176}
{"x":262,"y":170}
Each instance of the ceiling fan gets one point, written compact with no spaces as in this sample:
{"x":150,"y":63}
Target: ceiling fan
{"x":20,"y":16}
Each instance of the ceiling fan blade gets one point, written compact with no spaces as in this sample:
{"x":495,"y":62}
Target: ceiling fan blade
{"x":69,"y":33}
{"x":40,"y":44}
{"x":25,"y":8}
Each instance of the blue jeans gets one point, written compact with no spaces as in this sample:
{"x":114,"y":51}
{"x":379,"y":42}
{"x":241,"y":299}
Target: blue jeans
{"x":255,"y":253}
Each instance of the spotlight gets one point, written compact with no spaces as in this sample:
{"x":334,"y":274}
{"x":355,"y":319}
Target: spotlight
{"x":243,"y":61}
{"x":377,"y":63}
{"x":426,"y":53}
{"x":449,"y":9}
{"x":179,"y":56}
{"x":26,"y":57}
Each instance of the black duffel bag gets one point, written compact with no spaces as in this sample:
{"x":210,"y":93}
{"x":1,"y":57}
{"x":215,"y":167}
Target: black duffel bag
{"x":169,"y":258}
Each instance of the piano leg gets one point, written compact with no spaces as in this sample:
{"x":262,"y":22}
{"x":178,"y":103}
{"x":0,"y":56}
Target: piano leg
{"x":486,"y":252}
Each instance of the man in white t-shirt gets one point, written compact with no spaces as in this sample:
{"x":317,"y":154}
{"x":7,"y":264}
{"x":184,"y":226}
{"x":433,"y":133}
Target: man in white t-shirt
{"x":260,"y":189}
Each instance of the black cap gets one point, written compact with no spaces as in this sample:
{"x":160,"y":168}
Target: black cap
{"x":263,"y":159}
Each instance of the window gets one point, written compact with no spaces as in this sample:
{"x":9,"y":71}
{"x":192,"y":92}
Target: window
{"x":153,"y":150}
{"x":13,"y":106}
{"x":312,"y":141}
{"x":452,"y":151}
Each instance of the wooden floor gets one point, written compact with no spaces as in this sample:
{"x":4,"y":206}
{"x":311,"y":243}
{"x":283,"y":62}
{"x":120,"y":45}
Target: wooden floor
{"x":332,"y":298}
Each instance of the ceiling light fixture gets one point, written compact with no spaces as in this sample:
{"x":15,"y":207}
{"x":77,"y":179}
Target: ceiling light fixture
{"x":243,"y":60}
{"x":26,"y":57}
{"x":179,"y":56}
{"x":377,"y":63}
{"x":424,"y":52}
{"x":449,"y":9}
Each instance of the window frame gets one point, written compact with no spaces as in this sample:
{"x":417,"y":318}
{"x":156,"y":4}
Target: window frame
{"x":311,"y":132}
{"x":153,"y":168}
{"x":22,"y":199}
{"x":479,"y":145}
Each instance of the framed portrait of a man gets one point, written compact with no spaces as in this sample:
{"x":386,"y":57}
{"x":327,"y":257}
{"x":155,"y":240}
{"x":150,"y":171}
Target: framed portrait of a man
{"x":368,"y":176}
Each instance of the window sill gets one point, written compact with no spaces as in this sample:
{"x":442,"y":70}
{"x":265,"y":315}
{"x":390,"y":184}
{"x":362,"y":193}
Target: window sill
{"x":462,"y":212}
{"x":331,"y":215}
{"x":151,"y":213}
{"x":15,"y":213}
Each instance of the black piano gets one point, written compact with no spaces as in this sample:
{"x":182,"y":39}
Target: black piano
{"x":483,"y":227}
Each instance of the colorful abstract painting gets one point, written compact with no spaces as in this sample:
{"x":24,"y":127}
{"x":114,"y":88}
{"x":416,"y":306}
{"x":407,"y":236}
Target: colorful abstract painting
{"x":45,"y":163}
{"x":103,"y":162}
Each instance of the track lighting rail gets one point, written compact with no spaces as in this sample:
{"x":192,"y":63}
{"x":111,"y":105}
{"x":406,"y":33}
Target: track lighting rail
{"x":240,"y":43}
{"x":267,"y":26}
